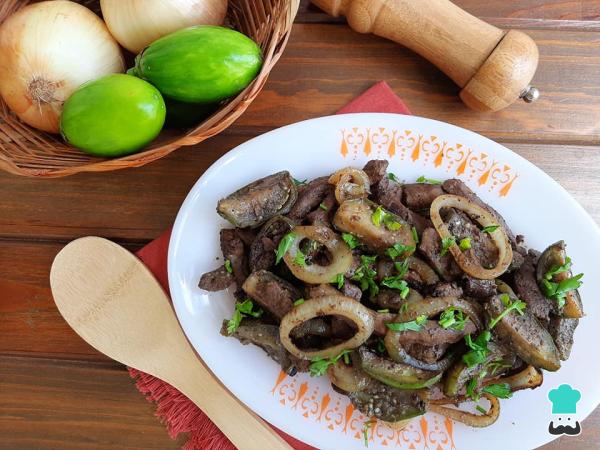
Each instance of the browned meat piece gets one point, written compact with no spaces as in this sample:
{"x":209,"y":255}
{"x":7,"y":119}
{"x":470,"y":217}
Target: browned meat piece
{"x":317,"y":326}
{"x":309,"y":197}
{"x":342,"y":328}
{"x":233,"y":250}
{"x":457,"y":187}
{"x":482,"y":248}
{"x":272,"y":293}
{"x":432,"y":333}
{"x":431,"y":247}
{"x":247,"y":235}
{"x":351,"y":290}
{"x":252,"y":331}
{"x":388,"y":299}
{"x":387,"y":403}
{"x":324,"y":212}
{"x":562,"y":329}
{"x":517,"y":262}
{"x":427,"y":353}
{"x":217,"y":280}
{"x":376,"y":169}
{"x":320,"y":290}
{"x":527,"y":289}
{"x":380,"y":320}
{"x":385,"y":268}
{"x":420,"y":195}
{"x":445,"y":289}
{"x":389,"y":195}
{"x":262,"y":250}
{"x":479,"y":288}
{"x":257,"y":202}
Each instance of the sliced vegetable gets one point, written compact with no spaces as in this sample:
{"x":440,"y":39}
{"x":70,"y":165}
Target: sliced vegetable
{"x":556,"y":281}
{"x":528,"y":378}
{"x":355,"y":216}
{"x":260,"y":200}
{"x":485,"y":219}
{"x":397,"y":352}
{"x":396,"y":375}
{"x":526,"y":336}
{"x":473,"y":420}
{"x":430,"y":306}
{"x":323,"y":306}
{"x":314,"y":273}
{"x":350,"y":183}
{"x":460,"y":373}
{"x":348,"y":378}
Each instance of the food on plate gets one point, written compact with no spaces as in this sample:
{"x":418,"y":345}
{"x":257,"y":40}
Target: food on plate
{"x":47,"y":50}
{"x":113,"y":116}
{"x":200,"y":64}
{"x":409,"y":297}
{"x":136,"y":24}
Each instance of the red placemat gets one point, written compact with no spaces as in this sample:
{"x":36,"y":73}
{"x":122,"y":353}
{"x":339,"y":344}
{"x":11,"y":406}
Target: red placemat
{"x":178,"y":413}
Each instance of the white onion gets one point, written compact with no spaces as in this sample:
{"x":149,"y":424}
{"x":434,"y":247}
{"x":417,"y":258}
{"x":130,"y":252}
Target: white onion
{"x":47,"y":50}
{"x":138,"y":23}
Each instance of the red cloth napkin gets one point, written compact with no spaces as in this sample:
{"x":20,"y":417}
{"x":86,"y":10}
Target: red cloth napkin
{"x":178,"y":413}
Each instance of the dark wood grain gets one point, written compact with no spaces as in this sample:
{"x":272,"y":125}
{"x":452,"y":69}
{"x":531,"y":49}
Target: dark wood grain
{"x":48,"y":404}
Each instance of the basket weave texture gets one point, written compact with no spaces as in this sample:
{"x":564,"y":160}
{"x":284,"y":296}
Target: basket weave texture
{"x":29,"y":152}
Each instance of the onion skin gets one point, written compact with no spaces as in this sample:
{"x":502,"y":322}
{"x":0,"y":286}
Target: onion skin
{"x":138,"y":23}
{"x":528,"y":378}
{"x":323,"y":306}
{"x":314,"y":273}
{"x":485,"y":219}
{"x":48,"y":50}
{"x":350,"y":183}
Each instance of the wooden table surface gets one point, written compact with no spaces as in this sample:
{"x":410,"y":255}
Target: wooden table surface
{"x":57,"y":392}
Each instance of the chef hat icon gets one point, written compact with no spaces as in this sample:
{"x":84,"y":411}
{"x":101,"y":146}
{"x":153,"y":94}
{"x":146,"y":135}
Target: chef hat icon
{"x":564,"y":399}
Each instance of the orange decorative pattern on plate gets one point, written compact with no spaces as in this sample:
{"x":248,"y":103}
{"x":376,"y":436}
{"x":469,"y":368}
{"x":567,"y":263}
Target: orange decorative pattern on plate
{"x":456,"y":159}
{"x":336,"y":414}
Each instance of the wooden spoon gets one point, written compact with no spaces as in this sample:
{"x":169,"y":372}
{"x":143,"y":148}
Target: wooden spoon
{"x":116,"y":305}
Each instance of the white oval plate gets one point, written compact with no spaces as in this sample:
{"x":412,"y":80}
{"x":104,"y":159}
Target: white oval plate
{"x":532,"y":203}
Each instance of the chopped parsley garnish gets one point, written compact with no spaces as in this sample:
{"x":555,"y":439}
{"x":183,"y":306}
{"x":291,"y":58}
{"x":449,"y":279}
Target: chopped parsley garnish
{"x":351,"y":240}
{"x":383,"y":311}
{"x":398,"y":250}
{"x":555,"y":270}
{"x":499,"y":390}
{"x":413,"y":325}
{"x":478,"y":348}
{"x":380,"y":346}
{"x":284,"y":245}
{"x":490,"y":229}
{"x":339,"y":280}
{"x":447,"y":242}
{"x":228,"y":266}
{"x":471,"y":388}
{"x":415,"y":235}
{"x":243,"y":309}
{"x":481,"y":409}
{"x":558,"y":291}
{"x":516,"y":305}
{"x":403,"y":307}
{"x":497,"y":365}
{"x":391,"y":224}
{"x":298,"y":182}
{"x":365,"y":433}
{"x":323,"y":207}
{"x":347,"y":358}
{"x":393,"y":177}
{"x":465,"y":244}
{"x":318,"y":366}
{"x":299,"y":302}
{"x":300,"y":258}
{"x":453,"y":318}
{"x":377,"y":216}
{"x":422,"y":179}
{"x":396,"y":282}
{"x":365,"y":275}
{"x":402,"y":267}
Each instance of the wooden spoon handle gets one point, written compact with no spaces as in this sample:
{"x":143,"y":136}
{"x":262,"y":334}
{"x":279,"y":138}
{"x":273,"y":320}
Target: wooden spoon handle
{"x":493,"y":67}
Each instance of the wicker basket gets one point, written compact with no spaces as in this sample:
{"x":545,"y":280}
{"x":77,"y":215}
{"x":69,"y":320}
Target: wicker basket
{"x":29,"y":152}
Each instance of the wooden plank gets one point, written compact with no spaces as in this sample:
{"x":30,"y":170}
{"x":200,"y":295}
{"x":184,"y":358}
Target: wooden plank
{"x":346,"y":63}
{"x":30,"y":323}
{"x":67,"y":405}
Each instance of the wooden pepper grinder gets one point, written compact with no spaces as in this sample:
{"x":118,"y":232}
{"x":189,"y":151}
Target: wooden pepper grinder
{"x":493,"y":67}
